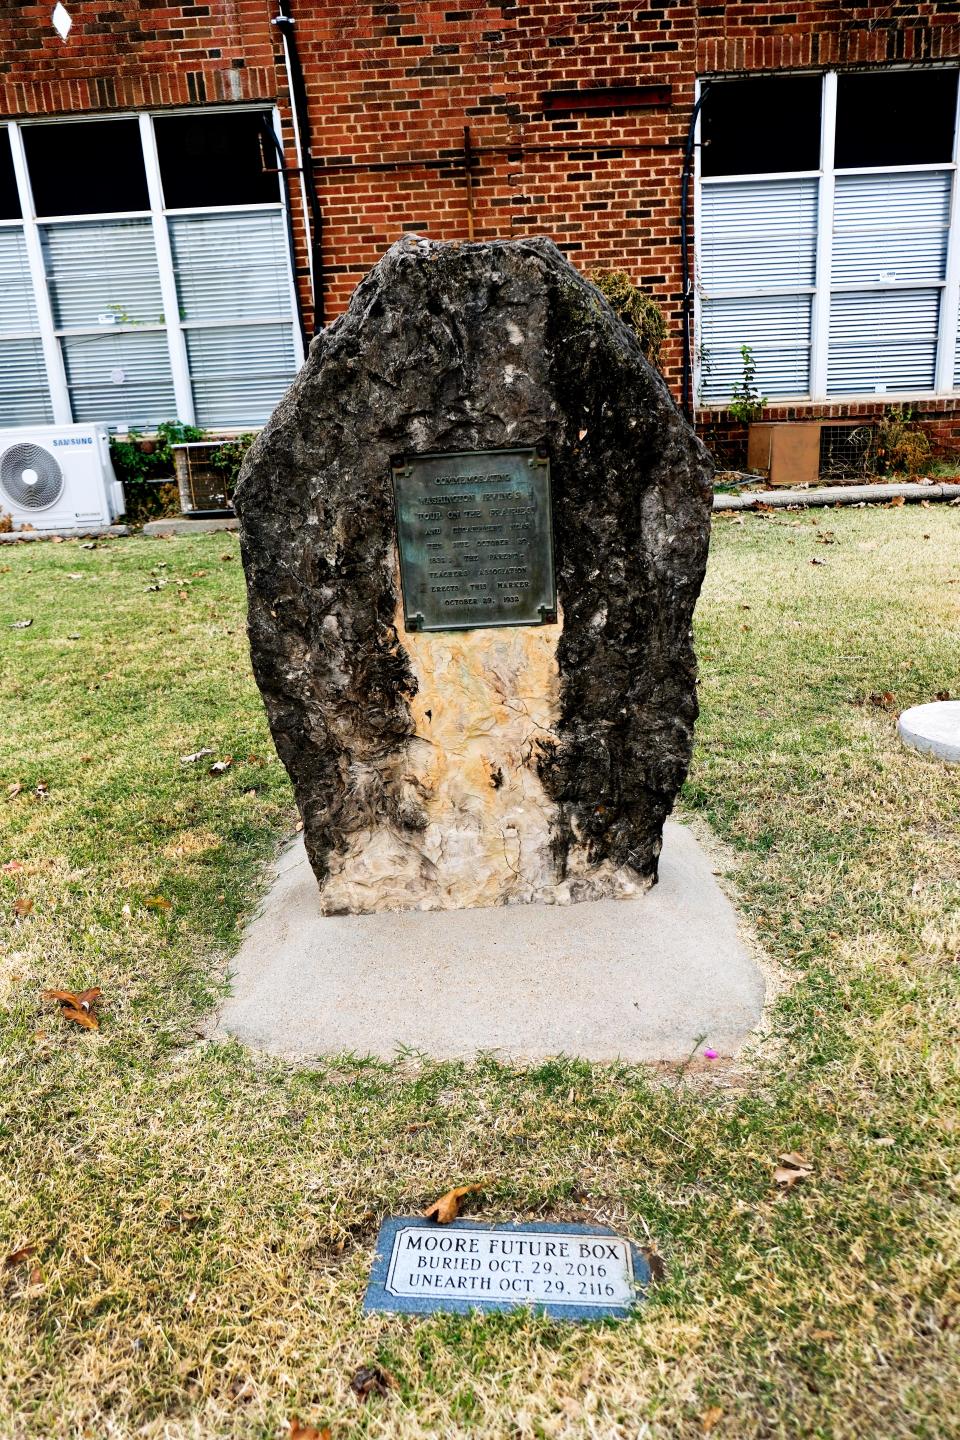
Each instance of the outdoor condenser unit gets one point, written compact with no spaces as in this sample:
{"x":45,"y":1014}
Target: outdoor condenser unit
{"x":58,"y":477}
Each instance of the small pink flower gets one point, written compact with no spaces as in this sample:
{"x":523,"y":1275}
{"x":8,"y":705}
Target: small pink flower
{"x":709,"y":1054}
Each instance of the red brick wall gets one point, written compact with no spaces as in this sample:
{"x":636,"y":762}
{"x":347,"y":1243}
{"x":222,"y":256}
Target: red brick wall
{"x":392,"y":85}
{"x":122,"y":56}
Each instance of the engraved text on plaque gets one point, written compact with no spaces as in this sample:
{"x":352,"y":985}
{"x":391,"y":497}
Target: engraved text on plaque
{"x":475,"y":538}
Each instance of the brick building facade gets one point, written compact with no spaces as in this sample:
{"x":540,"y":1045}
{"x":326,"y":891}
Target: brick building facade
{"x":566,"y":119}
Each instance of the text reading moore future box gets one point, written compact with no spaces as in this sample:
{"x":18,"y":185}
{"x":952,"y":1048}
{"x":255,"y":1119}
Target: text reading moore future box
{"x":571,"y":1272}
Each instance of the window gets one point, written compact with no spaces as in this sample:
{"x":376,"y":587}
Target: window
{"x":213,"y":159}
{"x":86,"y":167}
{"x":232,"y":283}
{"x":897,"y":117}
{"x":104,"y":287}
{"x":761,"y":126}
{"x":9,"y":196}
{"x":234,"y":295}
{"x":150,"y":278}
{"x":24,"y":393}
{"x":836,"y":265}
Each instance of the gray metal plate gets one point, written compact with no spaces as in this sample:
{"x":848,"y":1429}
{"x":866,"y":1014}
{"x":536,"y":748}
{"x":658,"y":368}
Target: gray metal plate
{"x":475,"y":535}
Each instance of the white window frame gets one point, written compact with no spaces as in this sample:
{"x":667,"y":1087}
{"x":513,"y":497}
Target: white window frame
{"x":50,"y":333}
{"x":947,"y":384}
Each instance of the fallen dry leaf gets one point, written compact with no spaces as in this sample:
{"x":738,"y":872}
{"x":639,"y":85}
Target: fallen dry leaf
{"x":792,"y":1169}
{"x":372,"y":1380}
{"x":711,"y":1418}
{"x":36,"y":1276}
{"x":447,"y":1208}
{"x":76,"y":1005}
{"x":17,"y":1257}
{"x":158,"y":902}
{"x":12,"y":866}
{"x":85,"y":1018}
{"x":23,"y":906}
{"x":787,"y":1178}
{"x":942,"y":695}
{"x":14,"y":790}
{"x":197,"y":755}
{"x":83,"y":999}
{"x":897,"y":500}
{"x":658,"y":1269}
{"x":883,"y":699}
{"x":306,"y":1432}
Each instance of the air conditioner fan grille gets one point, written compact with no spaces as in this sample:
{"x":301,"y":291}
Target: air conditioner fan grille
{"x":30,"y":476}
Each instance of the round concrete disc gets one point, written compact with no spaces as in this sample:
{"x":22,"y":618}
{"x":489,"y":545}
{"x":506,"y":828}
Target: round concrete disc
{"x":935,"y":729}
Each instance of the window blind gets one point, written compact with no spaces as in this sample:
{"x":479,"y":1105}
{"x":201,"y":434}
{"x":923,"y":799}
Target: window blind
{"x":882,"y":340}
{"x":756,"y":237}
{"x":102,"y":267}
{"x":890,"y":231}
{"x":24,"y":392}
{"x":122,"y":378}
{"x":890,"y":228}
{"x":104,"y":288}
{"x":235,"y":308}
{"x":777,"y":329}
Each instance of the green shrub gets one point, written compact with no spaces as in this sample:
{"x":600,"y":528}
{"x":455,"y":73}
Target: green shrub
{"x":899,"y":446}
{"x":228,"y":458}
{"x":636,"y":308}
{"x":140,"y":462}
{"x":746,"y":404}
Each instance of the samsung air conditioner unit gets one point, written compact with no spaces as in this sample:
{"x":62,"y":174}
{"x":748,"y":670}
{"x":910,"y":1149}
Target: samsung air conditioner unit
{"x":58,"y":477}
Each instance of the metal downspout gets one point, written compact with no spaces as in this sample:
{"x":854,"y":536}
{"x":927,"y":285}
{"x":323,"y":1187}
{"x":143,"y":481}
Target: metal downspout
{"x":686,"y":391}
{"x":304,"y":142}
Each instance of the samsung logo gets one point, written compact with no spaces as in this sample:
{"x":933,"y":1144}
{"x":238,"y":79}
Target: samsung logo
{"x":74,"y":440}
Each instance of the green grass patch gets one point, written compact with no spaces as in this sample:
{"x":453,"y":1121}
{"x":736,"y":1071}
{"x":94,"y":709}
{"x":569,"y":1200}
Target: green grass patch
{"x":203,"y":1220}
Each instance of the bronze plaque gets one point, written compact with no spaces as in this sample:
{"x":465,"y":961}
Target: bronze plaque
{"x":475,"y":536}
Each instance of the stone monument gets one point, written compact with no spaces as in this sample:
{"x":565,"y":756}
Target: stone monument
{"x":474,"y":532}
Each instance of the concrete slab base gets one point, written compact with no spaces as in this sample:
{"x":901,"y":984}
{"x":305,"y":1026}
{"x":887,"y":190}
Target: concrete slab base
{"x":183,"y":526}
{"x":933,"y":728}
{"x":83,"y":532}
{"x":643,"y":979}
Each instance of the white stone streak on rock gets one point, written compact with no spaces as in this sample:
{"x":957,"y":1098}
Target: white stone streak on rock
{"x":485,"y":698}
